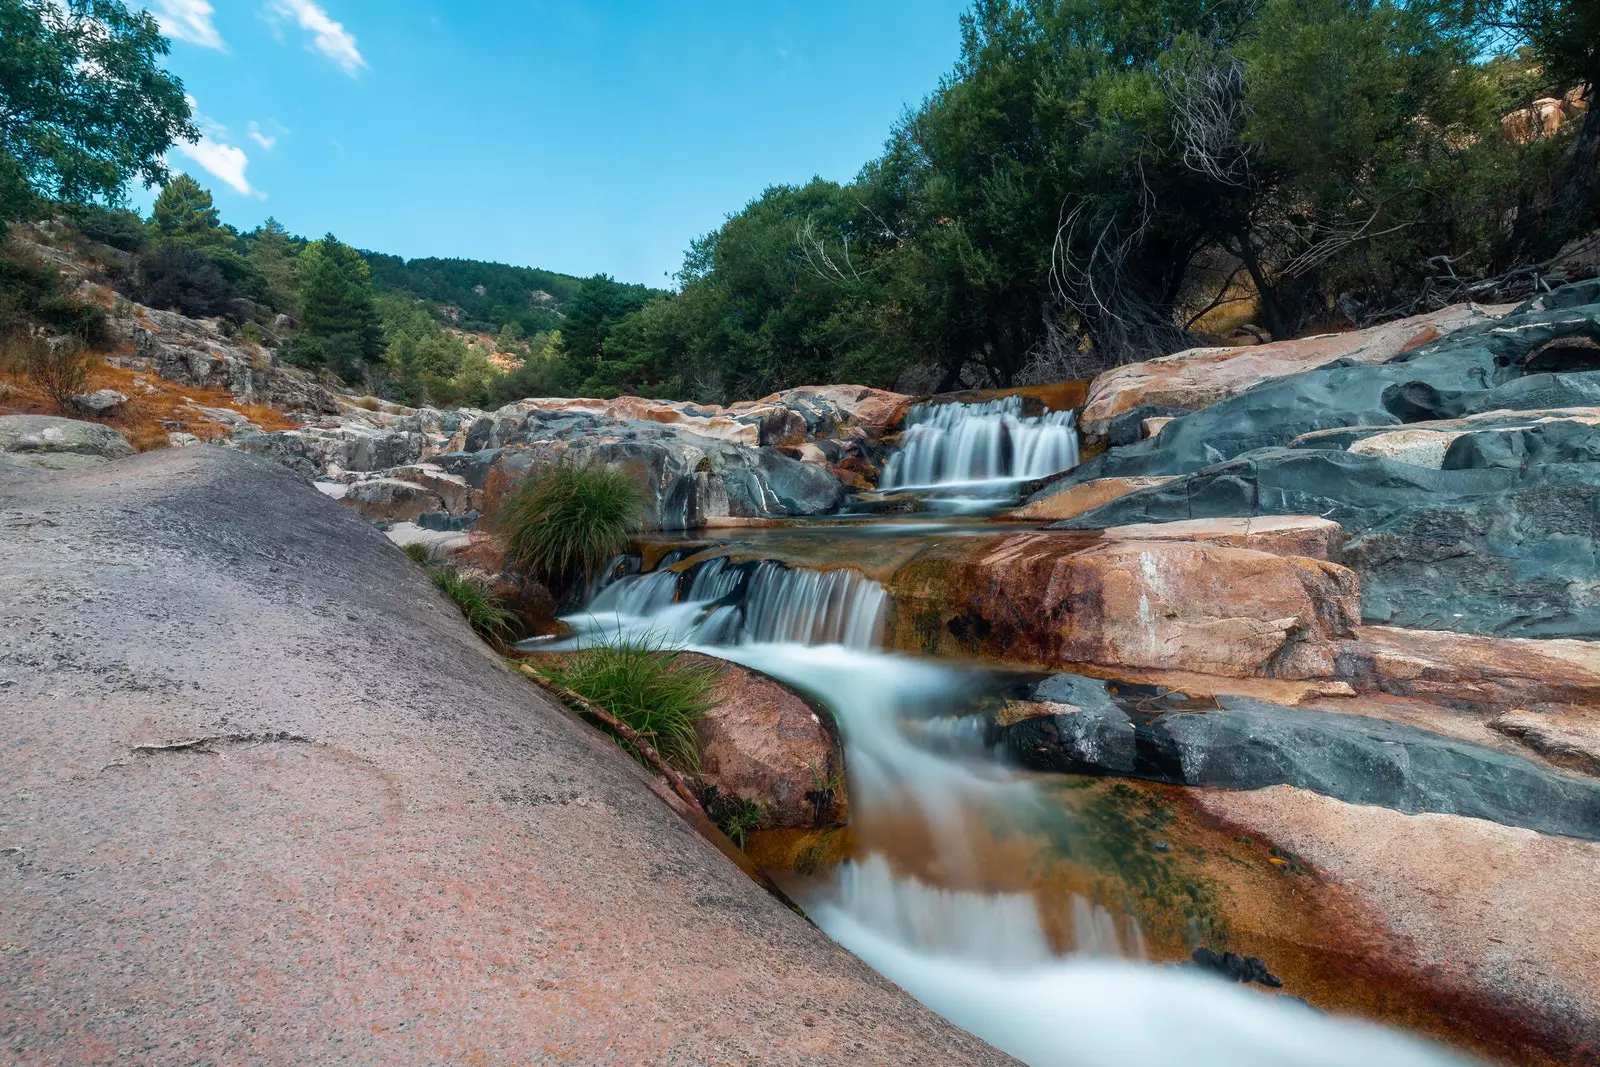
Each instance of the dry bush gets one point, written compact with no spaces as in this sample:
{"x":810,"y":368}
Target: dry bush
{"x":60,"y":370}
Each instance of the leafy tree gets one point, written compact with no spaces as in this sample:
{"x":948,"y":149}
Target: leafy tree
{"x":336,"y":307}
{"x":598,"y":306}
{"x":84,"y":103}
{"x":176,"y":277}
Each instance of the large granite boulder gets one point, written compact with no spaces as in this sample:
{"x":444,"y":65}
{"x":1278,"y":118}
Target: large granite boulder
{"x":45,"y":442}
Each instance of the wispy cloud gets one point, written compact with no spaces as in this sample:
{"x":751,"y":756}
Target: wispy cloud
{"x":327,"y":36}
{"x":269,"y":141}
{"x":189,"y":20}
{"x":213,"y":153}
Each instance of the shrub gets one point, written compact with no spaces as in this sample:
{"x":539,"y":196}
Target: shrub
{"x":116,"y":227}
{"x":484,"y":613}
{"x":563,"y":524}
{"x":652,"y":689}
{"x":60,"y":369}
{"x":31,"y":292}
{"x":419,"y":551}
{"x":177,"y":277}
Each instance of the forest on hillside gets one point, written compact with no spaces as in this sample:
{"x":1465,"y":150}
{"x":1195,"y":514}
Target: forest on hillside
{"x":1095,"y":181}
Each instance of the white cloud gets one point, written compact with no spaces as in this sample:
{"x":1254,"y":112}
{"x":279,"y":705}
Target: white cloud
{"x":216,"y":156}
{"x":328,"y":37}
{"x":189,"y":20}
{"x":265,"y":140}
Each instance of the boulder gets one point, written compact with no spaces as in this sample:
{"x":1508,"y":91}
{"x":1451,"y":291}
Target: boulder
{"x":1160,"y":605}
{"x":1494,"y":551}
{"x":1282,"y":535}
{"x":391,"y":499}
{"x":1565,"y":739}
{"x":1475,"y":671}
{"x":1495,"y":921}
{"x":288,"y":448}
{"x":763,"y":743}
{"x":362,"y":448}
{"x":46,"y":442}
{"x":1055,"y":504}
{"x":99,"y":402}
{"x":1252,"y":744}
{"x":1200,"y":377}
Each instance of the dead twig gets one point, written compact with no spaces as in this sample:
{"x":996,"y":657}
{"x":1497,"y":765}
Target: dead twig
{"x":646,"y":751}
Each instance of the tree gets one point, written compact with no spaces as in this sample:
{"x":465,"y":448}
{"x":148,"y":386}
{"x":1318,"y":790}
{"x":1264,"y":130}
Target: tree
{"x":593,"y":312}
{"x":336,"y":307}
{"x":274,"y":254}
{"x":185,"y":213}
{"x":84,"y":103}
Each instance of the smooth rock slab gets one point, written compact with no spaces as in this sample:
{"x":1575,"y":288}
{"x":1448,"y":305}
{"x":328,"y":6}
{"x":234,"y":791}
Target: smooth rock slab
{"x":393,"y":850}
{"x":49,"y":443}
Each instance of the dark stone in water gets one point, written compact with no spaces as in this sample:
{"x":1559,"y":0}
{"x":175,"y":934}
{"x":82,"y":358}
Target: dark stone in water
{"x":1242,"y":969}
{"x":1251,"y":744}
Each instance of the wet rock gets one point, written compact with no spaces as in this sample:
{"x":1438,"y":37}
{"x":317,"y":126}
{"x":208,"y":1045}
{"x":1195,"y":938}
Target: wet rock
{"x":1251,"y":744}
{"x":99,"y":402}
{"x":1242,"y":969}
{"x":1162,"y":605}
{"x":1495,"y":550}
{"x":764,"y":744}
{"x":45,"y":442}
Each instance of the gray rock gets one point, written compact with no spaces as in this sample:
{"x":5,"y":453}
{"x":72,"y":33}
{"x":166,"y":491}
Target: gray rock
{"x":1251,"y":744}
{"x":288,"y":448}
{"x":50,"y":443}
{"x":99,"y":402}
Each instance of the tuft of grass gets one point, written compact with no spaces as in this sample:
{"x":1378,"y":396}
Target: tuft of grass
{"x":484,"y":613}
{"x":649,"y":687}
{"x":566,"y":522}
{"x":419,"y":552}
{"x":742,"y":819}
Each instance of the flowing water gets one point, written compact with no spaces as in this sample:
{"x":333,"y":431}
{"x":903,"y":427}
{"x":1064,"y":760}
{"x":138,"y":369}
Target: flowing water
{"x":966,"y":455}
{"x":1045,"y":974}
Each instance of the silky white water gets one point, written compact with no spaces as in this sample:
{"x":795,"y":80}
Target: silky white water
{"x":981,"y":959}
{"x":974,"y":447}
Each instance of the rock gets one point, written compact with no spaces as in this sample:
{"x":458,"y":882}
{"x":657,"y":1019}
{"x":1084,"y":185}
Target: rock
{"x":761,"y":742}
{"x":1200,"y":377}
{"x":1475,"y":368}
{"x":440,"y":542}
{"x":361,"y":448}
{"x":99,"y":402}
{"x":1567,"y":740}
{"x":1501,"y":551}
{"x":46,"y":442}
{"x":1282,"y":535}
{"x":177,"y":439}
{"x":1422,"y":448}
{"x":1251,"y":744}
{"x":1152,"y":427}
{"x":1493,"y":673}
{"x":198,"y":352}
{"x":455,"y":495}
{"x":1242,"y":969}
{"x":1494,"y":919}
{"x":1163,"y":605}
{"x":288,"y":448}
{"x":381,"y":780}
{"x":391,"y":499}
{"x":1055,"y":503}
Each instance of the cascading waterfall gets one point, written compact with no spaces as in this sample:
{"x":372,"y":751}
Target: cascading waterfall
{"x":981,"y":959}
{"x":963,"y":444}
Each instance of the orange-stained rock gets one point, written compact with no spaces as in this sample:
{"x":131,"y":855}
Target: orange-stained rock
{"x":1200,"y":377}
{"x":1071,"y":502}
{"x":1500,"y":672}
{"x":1481,"y":914}
{"x":1057,"y":600}
{"x":872,"y":410}
{"x":1282,"y":535}
{"x":762,"y":742}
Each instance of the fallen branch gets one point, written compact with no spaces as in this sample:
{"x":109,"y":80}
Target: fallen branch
{"x":646,"y":750}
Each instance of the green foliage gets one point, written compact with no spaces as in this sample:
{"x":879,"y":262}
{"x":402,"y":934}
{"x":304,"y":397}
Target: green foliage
{"x":84,"y":103}
{"x":653,"y":690}
{"x":337,"y":307}
{"x":563,"y":523}
{"x":484,"y":613}
{"x":522,"y":295}
{"x":32,"y":293}
{"x":419,"y":552}
{"x":117,"y":227}
{"x":185,"y":213}
{"x":741,"y":819}
{"x":175,"y":276}
{"x":593,"y":312}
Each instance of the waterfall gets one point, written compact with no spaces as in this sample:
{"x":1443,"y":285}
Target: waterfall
{"x":961,"y":444}
{"x":723,"y":603}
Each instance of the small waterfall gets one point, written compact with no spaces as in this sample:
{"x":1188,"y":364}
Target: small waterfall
{"x":723,"y":603}
{"x":959,"y":444}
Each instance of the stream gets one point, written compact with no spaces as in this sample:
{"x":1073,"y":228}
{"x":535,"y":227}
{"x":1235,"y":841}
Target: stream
{"x":958,"y":885}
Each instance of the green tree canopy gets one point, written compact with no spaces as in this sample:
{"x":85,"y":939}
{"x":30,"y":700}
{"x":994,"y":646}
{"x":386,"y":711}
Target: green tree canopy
{"x":85,"y":105}
{"x":337,"y":309}
{"x":184,"y":212}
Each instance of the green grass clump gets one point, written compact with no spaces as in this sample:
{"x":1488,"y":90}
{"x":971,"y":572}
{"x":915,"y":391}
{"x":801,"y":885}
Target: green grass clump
{"x":652,"y":689}
{"x":568,"y":521}
{"x":419,"y":552}
{"x":484,"y":613}
{"x":743,"y":819}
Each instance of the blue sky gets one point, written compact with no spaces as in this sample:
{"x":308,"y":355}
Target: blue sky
{"x":575,"y":136}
